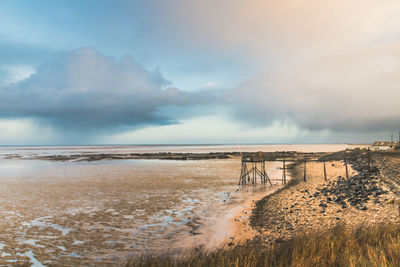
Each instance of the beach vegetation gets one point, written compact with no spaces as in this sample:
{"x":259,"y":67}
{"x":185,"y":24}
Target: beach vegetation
{"x":339,"y":246}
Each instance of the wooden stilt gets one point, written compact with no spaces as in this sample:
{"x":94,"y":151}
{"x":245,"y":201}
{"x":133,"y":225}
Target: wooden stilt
{"x":254,"y":172}
{"x":325,"y":172}
{"x":284,"y":169}
{"x":369,"y":160}
{"x":253,"y":168}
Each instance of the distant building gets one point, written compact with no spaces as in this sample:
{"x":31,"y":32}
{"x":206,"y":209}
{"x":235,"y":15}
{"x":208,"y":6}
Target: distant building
{"x":385,"y":145}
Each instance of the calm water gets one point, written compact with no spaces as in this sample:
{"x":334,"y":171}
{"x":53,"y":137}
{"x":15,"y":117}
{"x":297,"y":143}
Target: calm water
{"x":66,"y":150}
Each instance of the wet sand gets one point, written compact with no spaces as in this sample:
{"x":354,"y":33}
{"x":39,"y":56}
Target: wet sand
{"x":85,"y":213}
{"x":103,"y":212}
{"x":231,"y":225}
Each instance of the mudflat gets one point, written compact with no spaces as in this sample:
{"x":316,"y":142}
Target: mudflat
{"x":103,"y":212}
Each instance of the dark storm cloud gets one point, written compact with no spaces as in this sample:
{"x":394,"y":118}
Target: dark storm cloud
{"x":84,"y":89}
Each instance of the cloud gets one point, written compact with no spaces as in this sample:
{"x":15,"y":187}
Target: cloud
{"x":355,"y":91}
{"x":321,"y":64}
{"x":314,"y":65}
{"x":18,"y":60}
{"x":84,"y":89}
{"x":13,"y":74}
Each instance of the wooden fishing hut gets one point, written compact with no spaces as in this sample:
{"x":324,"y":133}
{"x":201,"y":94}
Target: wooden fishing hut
{"x":253,"y":168}
{"x":253,"y":165}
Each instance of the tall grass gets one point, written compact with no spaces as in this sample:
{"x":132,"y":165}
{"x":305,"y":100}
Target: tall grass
{"x":364,"y":246}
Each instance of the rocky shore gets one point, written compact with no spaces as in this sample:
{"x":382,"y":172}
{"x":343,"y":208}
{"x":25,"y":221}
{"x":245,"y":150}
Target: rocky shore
{"x":365,"y":198}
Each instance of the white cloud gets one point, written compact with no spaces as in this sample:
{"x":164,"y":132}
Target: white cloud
{"x":357,"y":91}
{"x":322,"y":64}
{"x":16,"y":73}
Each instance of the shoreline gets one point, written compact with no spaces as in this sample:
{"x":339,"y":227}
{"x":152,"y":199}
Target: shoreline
{"x":229,"y":227}
{"x":318,"y":205}
{"x":230,"y":224}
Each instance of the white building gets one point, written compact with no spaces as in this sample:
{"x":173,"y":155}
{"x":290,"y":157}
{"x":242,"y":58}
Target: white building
{"x":384,"y":145}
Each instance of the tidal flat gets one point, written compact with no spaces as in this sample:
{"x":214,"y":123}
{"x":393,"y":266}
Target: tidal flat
{"x":104,"y":212}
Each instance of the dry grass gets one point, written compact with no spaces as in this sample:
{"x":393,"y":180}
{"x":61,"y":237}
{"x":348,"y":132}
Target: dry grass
{"x":364,"y":246}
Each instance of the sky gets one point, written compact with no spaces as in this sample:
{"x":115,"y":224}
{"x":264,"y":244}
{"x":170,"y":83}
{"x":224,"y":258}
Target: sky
{"x":198,"y":72}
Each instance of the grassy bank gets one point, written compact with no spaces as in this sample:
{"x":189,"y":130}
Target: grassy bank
{"x":364,"y":246}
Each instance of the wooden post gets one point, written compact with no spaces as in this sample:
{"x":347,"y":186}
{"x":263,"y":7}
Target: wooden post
{"x":305,"y":172}
{"x":253,"y":167}
{"x":369,"y":160}
{"x":248,"y":175}
{"x":391,"y":141}
{"x":264,"y":173}
{"x":242,"y":179}
{"x":254,"y":173}
{"x":325,"y":171}
{"x":284,"y":169}
{"x":347,"y":170}
{"x":241,"y":175}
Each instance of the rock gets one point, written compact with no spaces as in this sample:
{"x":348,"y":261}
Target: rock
{"x":323,"y":205}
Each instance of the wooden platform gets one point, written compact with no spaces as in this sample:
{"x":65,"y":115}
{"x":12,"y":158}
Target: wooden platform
{"x":253,"y":168}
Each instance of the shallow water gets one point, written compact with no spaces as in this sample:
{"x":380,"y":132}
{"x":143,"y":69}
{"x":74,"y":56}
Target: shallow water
{"x":80,"y":213}
{"x":32,"y":151}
